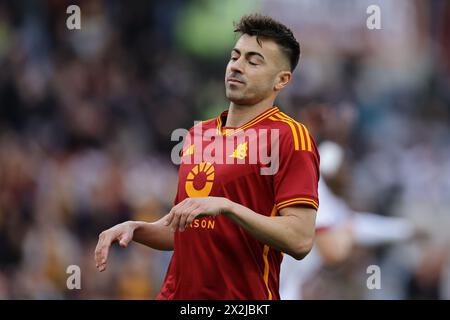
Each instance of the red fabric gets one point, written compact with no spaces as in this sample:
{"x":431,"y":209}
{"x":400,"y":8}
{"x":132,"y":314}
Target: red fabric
{"x":214,"y":258}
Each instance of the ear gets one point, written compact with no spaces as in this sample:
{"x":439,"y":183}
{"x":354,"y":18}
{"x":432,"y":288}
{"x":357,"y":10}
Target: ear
{"x":282,"y":80}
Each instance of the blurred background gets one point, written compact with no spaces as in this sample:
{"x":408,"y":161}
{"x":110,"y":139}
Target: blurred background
{"x":86,"y":117}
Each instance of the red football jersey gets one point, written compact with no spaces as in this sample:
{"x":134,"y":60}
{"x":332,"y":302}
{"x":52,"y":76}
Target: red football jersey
{"x":214,"y":258}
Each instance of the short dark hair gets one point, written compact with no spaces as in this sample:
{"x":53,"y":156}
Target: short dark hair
{"x":266,"y":27}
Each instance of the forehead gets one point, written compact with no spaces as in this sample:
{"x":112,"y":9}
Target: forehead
{"x":267,"y":47}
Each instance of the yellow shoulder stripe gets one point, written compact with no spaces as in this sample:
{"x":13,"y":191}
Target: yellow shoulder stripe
{"x":302,"y":138}
{"x":305,"y":131}
{"x":299,"y":131}
{"x":294,"y":132}
{"x":308,"y":138}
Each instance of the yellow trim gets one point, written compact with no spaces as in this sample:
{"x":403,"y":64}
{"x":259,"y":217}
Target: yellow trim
{"x":259,"y":118}
{"x":302,"y":138}
{"x":307,"y":137}
{"x":303,"y":202}
{"x":294,"y":133}
{"x":287,"y":203}
{"x":296,"y":202}
{"x":266,"y":261}
{"x":266,"y":270}
{"x":289,"y":200}
{"x":228,"y":131}
{"x":219,"y":125}
{"x":266,"y":114}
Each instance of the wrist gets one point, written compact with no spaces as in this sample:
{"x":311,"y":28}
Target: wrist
{"x":134,"y":225}
{"x":228,"y":208}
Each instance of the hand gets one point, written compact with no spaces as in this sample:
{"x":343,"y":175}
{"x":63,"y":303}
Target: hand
{"x":121,"y":232}
{"x":184,"y":213}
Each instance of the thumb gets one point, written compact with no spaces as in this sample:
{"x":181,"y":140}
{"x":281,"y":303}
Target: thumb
{"x":124,"y":240}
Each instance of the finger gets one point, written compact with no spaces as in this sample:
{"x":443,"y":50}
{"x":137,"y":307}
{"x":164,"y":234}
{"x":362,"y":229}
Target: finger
{"x":101,"y":252}
{"x":102,"y":267}
{"x":185,"y":215}
{"x":97,"y":252}
{"x":125,"y":239}
{"x":102,"y":256}
{"x":193,"y":215}
{"x":177,"y":212}
{"x":175,"y":222}
{"x":184,"y":223}
{"x":169,"y":218}
{"x":171,"y":214}
{"x":96,"y":256}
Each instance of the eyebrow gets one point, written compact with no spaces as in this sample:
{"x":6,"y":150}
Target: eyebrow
{"x":250,"y":53}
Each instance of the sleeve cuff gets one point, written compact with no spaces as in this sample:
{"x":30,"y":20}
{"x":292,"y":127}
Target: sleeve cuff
{"x":298,"y":201}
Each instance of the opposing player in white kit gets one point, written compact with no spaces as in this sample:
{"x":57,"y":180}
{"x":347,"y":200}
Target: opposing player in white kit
{"x":338,"y":230}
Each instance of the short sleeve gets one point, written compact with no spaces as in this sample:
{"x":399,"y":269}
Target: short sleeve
{"x":296,"y":182}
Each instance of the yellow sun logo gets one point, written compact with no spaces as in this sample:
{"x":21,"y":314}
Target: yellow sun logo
{"x":200,"y":179}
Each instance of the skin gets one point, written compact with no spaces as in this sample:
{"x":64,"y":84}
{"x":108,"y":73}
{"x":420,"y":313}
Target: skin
{"x":335,"y":245}
{"x":262,"y":71}
{"x":255,"y":75}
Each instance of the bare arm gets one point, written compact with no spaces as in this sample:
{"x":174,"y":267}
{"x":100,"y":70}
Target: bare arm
{"x":155,"y":235}
{"x":335,"y":244}
{"x":292,"y":232}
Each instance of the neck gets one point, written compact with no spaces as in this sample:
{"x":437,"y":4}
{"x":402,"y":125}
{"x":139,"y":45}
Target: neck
{"x":239,"y":114}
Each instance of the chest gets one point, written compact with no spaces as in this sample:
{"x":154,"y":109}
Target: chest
{"x":212,"y":162}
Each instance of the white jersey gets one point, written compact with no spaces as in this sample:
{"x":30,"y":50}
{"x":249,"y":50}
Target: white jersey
{"x":294,"y":273}
{"x":368,"y":229}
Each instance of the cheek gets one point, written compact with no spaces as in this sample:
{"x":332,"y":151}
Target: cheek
{"x":227,"y":69}
{"x":263,"y":81}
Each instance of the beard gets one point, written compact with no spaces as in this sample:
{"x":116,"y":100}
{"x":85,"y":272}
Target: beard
{"x":240,"y":96}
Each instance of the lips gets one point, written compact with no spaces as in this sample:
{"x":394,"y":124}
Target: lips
{"x":235,"y":81}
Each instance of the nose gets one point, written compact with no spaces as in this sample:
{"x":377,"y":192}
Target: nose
{"x":237,"y":66}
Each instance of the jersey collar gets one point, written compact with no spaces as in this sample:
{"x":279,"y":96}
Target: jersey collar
{"x":227,"y":131}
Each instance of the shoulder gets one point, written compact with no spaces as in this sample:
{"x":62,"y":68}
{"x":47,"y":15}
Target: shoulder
{"x":292,"y":132}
